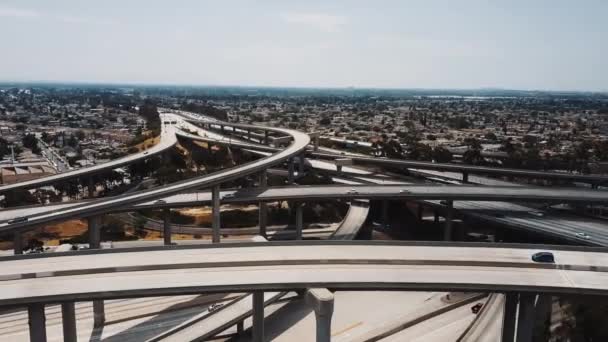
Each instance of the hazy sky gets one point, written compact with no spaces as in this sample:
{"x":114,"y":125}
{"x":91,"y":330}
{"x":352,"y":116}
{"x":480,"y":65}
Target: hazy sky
{"x":523,"y":44}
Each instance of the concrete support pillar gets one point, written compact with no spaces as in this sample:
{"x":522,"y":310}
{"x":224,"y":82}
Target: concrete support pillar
{"x":258,"y":316}
{"x":465,"y":177}
{"x":91,"y":187}
{"x":248,"y":134}
{"x":339,"y":168}
{"x":508,"y":320}
{"x":68,"y":318}
{"x":95,"y":243}
{"x":167,"y":226}
{"x":215,"y":198}
{"x":222,"y":128}
{"x":263,"y":207}
{"x":385,"y":214}
{"x":525,"y":317}
{"x":17,"y":243}
{"x":290,"y":168}
{"x":240,"y":328}
{"x":315,"y":142}
{"x":543,"y":310}
{"x":37,"y":322}
{"x":447,"y":230}
{"x":265,"y":137}
{"x":99,"y":313}
{"x":299,"y":220}
{"x":94,"y":232}
{"x":301,"y":165}
{"x":322,"y":301}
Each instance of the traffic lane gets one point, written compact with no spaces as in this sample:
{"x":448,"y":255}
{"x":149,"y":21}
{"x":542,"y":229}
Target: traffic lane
{"x":50,"y":265}
{"x":290,"y":277}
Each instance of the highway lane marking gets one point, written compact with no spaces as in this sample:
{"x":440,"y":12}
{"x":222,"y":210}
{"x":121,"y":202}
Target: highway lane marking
{"x":349,"y":327}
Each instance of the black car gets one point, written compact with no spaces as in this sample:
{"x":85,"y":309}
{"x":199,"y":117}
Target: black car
{"x":17,"y":220}
{"x":546,"y":257}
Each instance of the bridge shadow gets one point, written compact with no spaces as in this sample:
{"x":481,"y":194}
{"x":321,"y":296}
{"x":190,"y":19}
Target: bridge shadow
{"x":167,"y":319}
{"x":282,"y":319}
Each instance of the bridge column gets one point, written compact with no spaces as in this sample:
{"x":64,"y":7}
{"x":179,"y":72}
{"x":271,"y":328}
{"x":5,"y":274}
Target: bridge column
{"x":315,"y":142}
{"x":37,"y":322}
{"x":322,"y":301}
{"x":222,"y":128}
{"x":249,"y":134}
{"x":240,"y":328}
{"x":465,"y":177}
{"x":301,"y":165}
{"x":525,"y":318}
{"x":17,"y":243}
{"x":91,"y":187}
{"x":299,"y":220}
{"x":167,"y":226}
{"x":385,"y":214}
{"x":215,"y":199}
{"x":95,"y":243}
{"x":290,"y":168}
{"x":447,"y":230}
{"x":68,"y":319}
{"x":508,"y":319}
{"x":265,"y":137}
{"x":258,"y":316}
{"x":339,"y":168}
{"x":94,"y":232}
{"x":263,"y":207}
{"x":99,"y":313}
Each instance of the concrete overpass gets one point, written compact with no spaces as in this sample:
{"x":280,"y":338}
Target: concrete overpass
{"x":37,"y":280}
{"x":167,"y":140}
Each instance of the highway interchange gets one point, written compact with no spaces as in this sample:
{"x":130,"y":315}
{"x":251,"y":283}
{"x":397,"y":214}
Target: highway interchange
{"x":39,"y":280}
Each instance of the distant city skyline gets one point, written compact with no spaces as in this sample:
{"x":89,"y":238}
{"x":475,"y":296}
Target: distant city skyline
{"x":437,"y":44}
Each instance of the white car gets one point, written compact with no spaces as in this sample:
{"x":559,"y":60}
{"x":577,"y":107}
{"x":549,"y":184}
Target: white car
{"x":214,"y":307}
{"x":583,"y":235}
{"x":352,"y":191}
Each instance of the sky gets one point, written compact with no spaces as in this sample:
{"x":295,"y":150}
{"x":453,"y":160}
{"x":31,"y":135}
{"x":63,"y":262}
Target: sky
{"x":514,"y":44}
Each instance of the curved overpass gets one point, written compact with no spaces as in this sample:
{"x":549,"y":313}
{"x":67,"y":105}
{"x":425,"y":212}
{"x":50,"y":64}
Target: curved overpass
{"x":461,"y":168}
{"x":287,"y":266}
{"x":167,"y":140}
{"x":300,"y":140}
{"x":325,"y":192}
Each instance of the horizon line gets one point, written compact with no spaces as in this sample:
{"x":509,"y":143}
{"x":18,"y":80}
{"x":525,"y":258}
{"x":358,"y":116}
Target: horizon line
{"x":202,"y":85}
